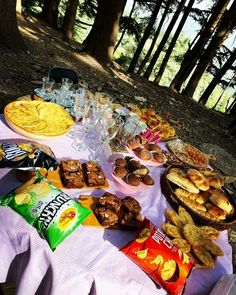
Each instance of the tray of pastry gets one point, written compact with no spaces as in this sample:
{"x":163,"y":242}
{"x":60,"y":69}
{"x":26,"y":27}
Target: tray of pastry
{"x":131,"y":174}
{"x":193,"y":240}
{"x":147,"y":153}
{"x":189,"y":154}
{"x":72,"y":174}
{"x":109,"y":211}
{"x":201,"y":193}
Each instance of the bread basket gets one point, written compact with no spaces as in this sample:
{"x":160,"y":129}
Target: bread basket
{"x":168,"y":190}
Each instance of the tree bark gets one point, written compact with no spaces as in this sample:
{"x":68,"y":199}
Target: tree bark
{"x":147,"y":56}
{"x":69,"y":19}
{"x":173,"y":42}
{"x":9,"y":33}
{"x":146,"y":34}
{"x":164,"y":40}
{"x":216,"y":80}
{"x":225,"y":27}
{"x":124,"y":30}
{"x":50,"y":12}
{"x":101,"y":40}
{"x":193,"y":55}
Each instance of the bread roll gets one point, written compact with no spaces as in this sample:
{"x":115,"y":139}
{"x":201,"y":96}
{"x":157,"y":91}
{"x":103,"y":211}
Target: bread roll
{"x":215,"y":182}
{"x":194,"y":205}
{"x":198,"y":179}
{"x":196,"y":197}
{"x":220,"y":199}
{"x":182,"y":182}
{"x":216,"y":211}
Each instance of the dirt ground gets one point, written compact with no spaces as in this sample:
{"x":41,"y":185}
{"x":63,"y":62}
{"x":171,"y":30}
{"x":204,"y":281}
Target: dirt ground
{"x":203,"y":128}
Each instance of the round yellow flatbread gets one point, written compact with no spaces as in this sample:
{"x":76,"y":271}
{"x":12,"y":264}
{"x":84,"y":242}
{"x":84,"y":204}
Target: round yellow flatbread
{"x":38,"y":118}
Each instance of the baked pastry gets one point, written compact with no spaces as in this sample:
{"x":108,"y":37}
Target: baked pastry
{"x":133,"y":165}
{"x":147,"y":179}
{"x":215,"y":211}
{"x":142,"y":153}
{"x":70,"y":165}
{"x":133,"y":143}
{"x":140,"y":139}
{"x":131,"y":220}
{"x":158,"y":157}
{"x":153,"y":147}
{"x":215,"y":182}
{"x":120,"y":162}
{"x":72,"y":179}
{"x":132,"y":179}
{"x":120,"y":172}
{"x":194,"y":205}
{"x":196,"y":197}
{"x":106,"y":216}
{"x":131,"y":205}
{"x":220,"y":199}
{"x":110,"y":201}
{"x":198,"y":179}
{"x":143,"y":170}
{"x":94,"y":176}
{"x":182,"y":182}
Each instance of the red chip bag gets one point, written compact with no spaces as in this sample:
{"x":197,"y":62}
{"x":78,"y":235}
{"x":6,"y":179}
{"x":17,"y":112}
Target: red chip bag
{"x":159,"y":258}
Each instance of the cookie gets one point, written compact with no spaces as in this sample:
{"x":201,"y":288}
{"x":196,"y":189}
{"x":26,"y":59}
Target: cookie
{"x":213,"y":248}
{"x":106,"y":216}
{"x":110,"y":201}
{"x":204,"y":256}
{"x":174,"y":218}
{"x":185,"y":216}
{"x":131,"y":205}
{"x":209,"y":233}
{"x":182,"y":244}
{"x":171,"y":230}
{"x":193,"y":235}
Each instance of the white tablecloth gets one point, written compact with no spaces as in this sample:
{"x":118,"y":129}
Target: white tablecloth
{"x":88,"y":261}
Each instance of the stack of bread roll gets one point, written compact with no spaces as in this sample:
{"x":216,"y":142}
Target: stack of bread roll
{"x":201,"y":191}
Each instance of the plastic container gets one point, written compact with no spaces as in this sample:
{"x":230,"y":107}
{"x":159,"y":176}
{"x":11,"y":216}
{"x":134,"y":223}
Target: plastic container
{"x":225,"y":286}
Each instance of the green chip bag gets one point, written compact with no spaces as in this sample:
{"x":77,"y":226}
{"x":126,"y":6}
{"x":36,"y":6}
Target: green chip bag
{"x":52,"y":212}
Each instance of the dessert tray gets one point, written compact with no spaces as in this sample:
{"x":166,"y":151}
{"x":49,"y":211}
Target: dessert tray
{"x":38,"y":119}
{"x":109,"y":211}
{"x":188,"y":154}
{"x":203,"y":206}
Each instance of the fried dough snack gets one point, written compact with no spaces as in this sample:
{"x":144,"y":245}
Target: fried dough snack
{"x":196,"y":241}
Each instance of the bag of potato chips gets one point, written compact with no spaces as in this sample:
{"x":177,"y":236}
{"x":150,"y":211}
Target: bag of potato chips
{"x":26,"y":156}
{"x":167,"y":265}
{"x":53,"y":213}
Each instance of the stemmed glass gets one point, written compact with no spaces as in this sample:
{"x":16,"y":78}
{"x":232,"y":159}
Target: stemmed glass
{"x":90,"y":120}
{"x":46,"y":91}
{"x":106,"y":135}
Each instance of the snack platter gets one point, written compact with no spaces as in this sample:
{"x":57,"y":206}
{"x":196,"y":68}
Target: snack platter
{"x":37,"y":119}
{"x":203,"y":218}
{"x":189,"y":154}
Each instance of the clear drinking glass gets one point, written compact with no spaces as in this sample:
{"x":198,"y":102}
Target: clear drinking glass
{"x":46,"y":90}
{"x":66,"y":84}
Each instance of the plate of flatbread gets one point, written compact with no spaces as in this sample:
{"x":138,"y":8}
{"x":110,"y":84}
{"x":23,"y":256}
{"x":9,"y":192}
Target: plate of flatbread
{"x":38,"y":119}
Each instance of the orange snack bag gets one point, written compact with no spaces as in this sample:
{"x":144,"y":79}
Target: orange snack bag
{"x":159,"y":258}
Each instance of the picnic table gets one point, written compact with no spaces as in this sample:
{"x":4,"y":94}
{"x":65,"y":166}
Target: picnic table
{"x":88,"y":261}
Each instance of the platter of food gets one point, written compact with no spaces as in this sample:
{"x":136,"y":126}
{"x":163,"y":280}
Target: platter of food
{"x":71,"y":174}
{"x":147,"y":153}
{"x":202,"y":194}
{"x":191,"y":239}
{"x":109,"y":211}
{"x":159,"y":126}
{"x":189,"y":154}
{"x":131,"y":174}
{"x":38,"y":119}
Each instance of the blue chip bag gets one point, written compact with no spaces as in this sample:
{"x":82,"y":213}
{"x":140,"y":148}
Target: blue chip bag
{"x":52,"y":212}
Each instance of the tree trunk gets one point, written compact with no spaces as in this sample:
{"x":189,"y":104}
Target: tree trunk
{"x":217,"y":78}
{"x":164,"y":40}
{"x":50,"y":12}
{"x":192,"y":55}
{"x":225,"y":27}
{"x":146,"y":58}
{"x":124,"y":30}
{"x":146,"y":34}
{"x":173,"y":42}
{"x":69,"y":19}
{"x":102,"y":38}
{"x":9,"y":32}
